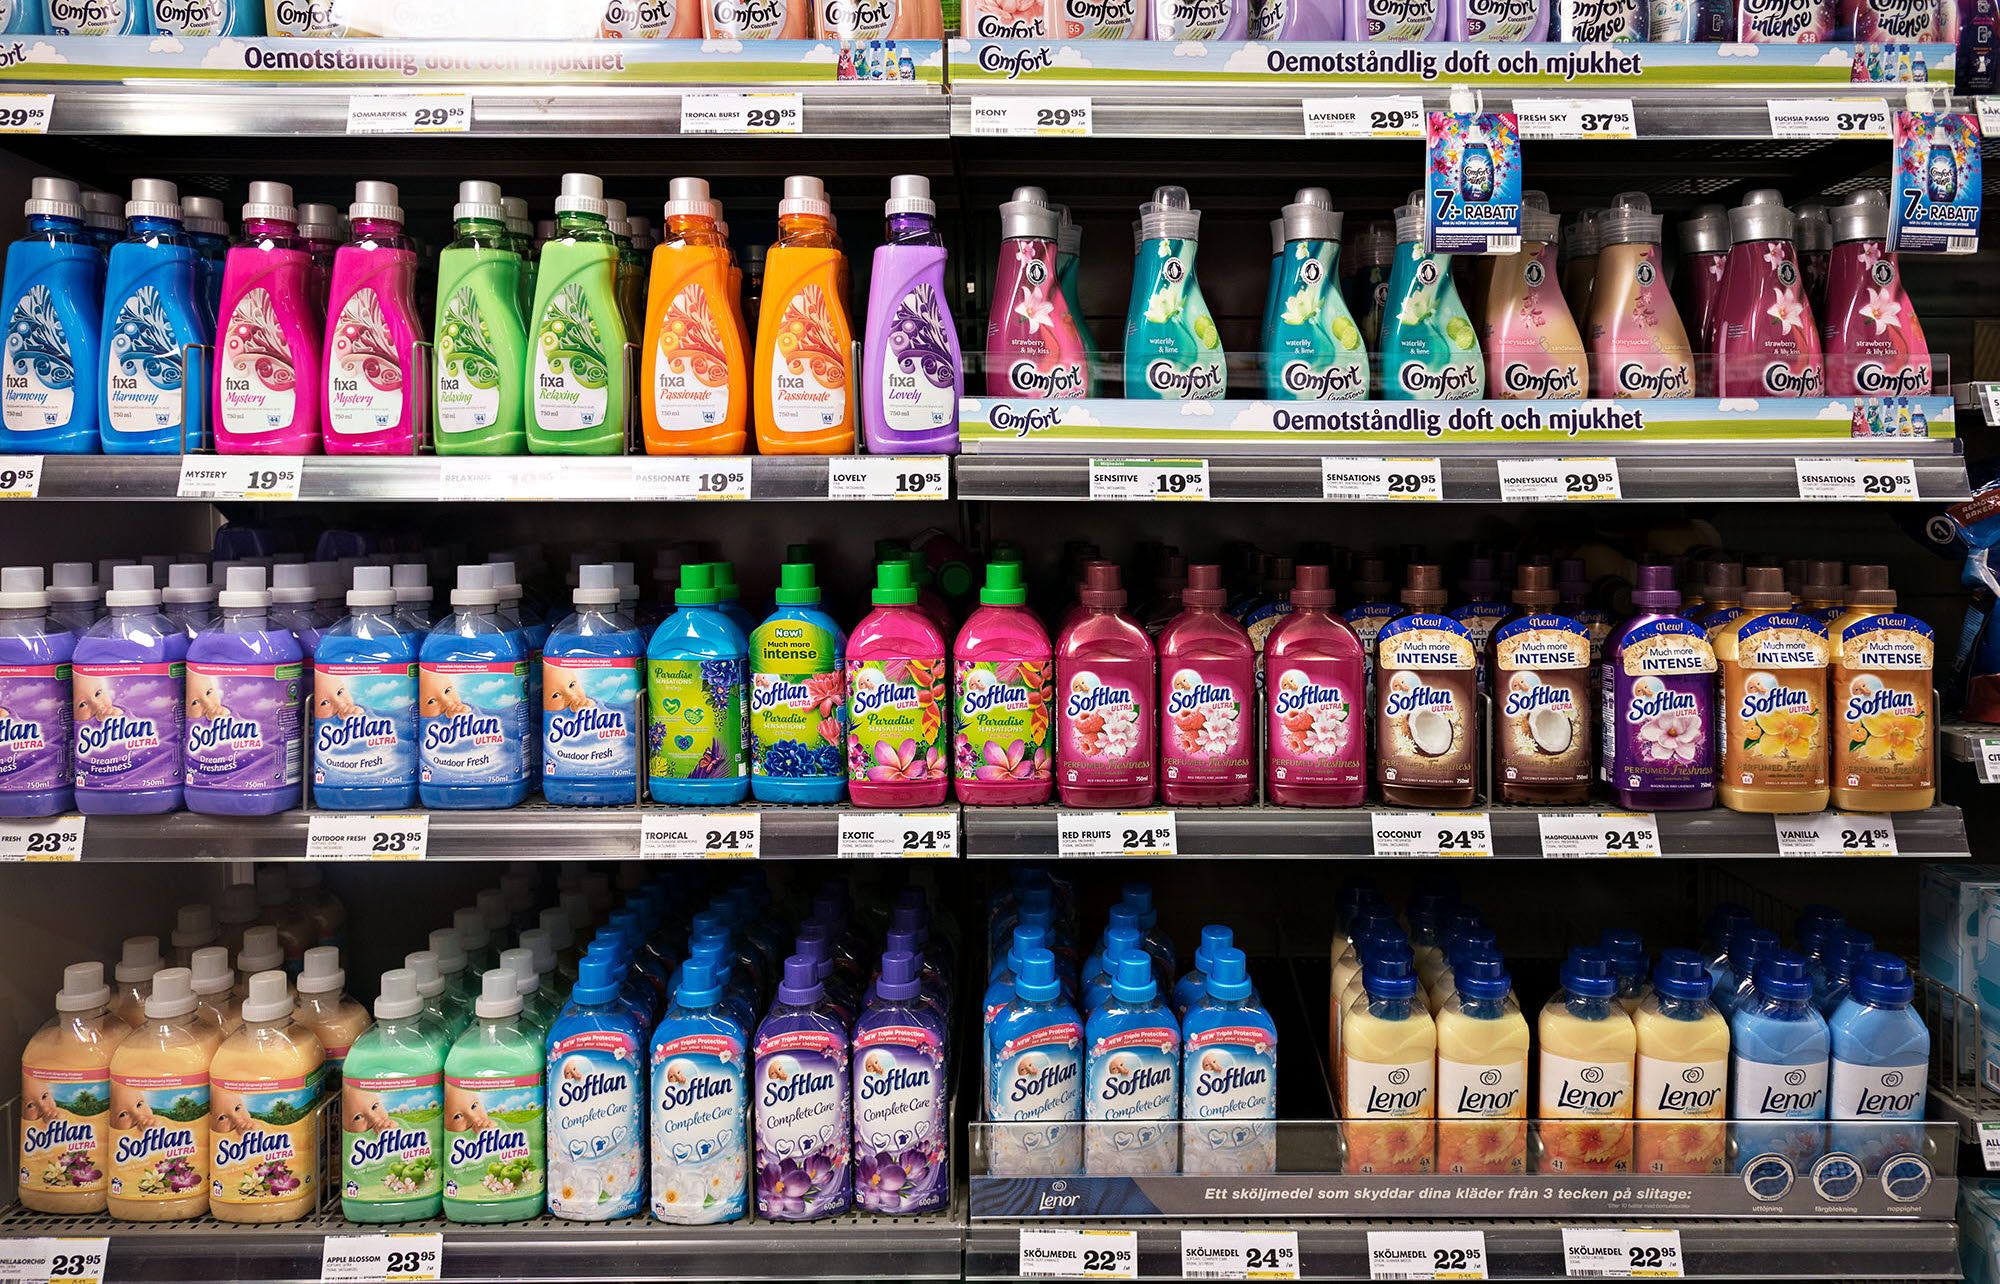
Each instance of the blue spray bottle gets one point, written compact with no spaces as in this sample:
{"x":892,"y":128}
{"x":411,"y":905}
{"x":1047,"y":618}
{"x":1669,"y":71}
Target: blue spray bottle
{"x":54,"y":299}
{"x":153,"y":375}
{"x":1132,"y":1064}
{"x":798,"y":697}
{"x":1229,"y":1071}
{"x":472,"y":678}
{"x":1778,"y":1046}
{"x":1034,"y":1077}
{"x":364,"y":703}
{"x":697,"y":670}
{"x":596,"y":1109}
{"x":591,"y":701}
{"x":1881,"y":1062}
{"x":701,"y":1106}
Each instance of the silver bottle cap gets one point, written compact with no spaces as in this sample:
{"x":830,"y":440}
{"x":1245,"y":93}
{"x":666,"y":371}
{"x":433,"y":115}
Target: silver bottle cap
{"x":581,"y":194}
{"x":271,"y":202}
{"x":55,"y":197}
{"x":1863,"y":216}
{"x":153,"y":198}
{"x":1277,"y":237}
{"x":319,"y":222}
{"x":481,"y":201}
{"x":687,"y":198}
{"x":1374,"y":247}
{"x":1628,"y":221}
{"x":1814,"y":232}
{"x":1169,"y":215}
{"x":1761,"y":217}
{"x":1028,"y":216}
{"x":1310,"y":217}
{"x":516,"y":208}
{"x":804,"y":194}
{"x":1410,"y":220}
{"x":1537,"y":224}
{"x":204,"y":214}
{"x":1706,"y":231}
{"x":1069,"y":237}
{"x":909,"y":194}
{"x":376,"y":200}
{"x":1580,"y":241}
{"x":615,"y":214}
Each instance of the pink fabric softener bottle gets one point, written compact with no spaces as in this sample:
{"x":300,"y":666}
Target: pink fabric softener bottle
{"x":1106,"y":683}
{"x":895,"y":699}
{"x":1003,"y":684}
{"x":374,"y":386}
{"x":1766,"y":344}
{"x":1315,"y":694}
{"x":1208,"y":701}
{"x":267,"y":372}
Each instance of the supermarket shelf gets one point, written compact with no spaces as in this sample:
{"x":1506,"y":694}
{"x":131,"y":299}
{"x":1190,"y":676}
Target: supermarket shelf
{"x":1962,"y":740}
{"x":1964,"y":1111}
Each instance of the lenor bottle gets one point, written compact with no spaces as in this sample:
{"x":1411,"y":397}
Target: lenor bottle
{"x":576,"y":369}
{"x":1683,"y":1071}
{"x":364,"y":703}
{"x":495,"y":1166}
{"x":912,"y":371}
{"x":53,"y":294}
{"x":36,"y":691}
{"x":245,"y":687}
{"x":1531,"y":343}
{"x":1388,"y":1070}
{"x":798,"y":696}
{"x":1107,"y":677}
{"x":1173,"y":351}
{"x":66,"y":1122}
{"x":1881,"y":1060}
{"x":1003,"y":686}
{"x":804,"y":375}
{"x":128,"y":674}
{"x":152,"y":370}
{"x":1766,"y":342}
{"x":1778,"y":1054}
{"x":1035,"y":345}
{"x":1313,"y":349}
{"x":1881,"y":692}
{"x":392,"y":1112}
{"x":1208,"y":700}
{"x":1637,"y":345}
{"x":482,"y":340}
{"x":592,"y":699}
{"x":1658,"y":703}
{"x":1774,"y":716}
{"x":1875,"y":345}
{"x":1588,"y":1047}
{"x":697,"y":673}
{"x":375,"y":403}
{"x":896,"y":699}
{"x":472,"y":683}
{"x":695,"y":371}
{"x":1482,"y":1070}
{"x":1429,"y":349}
{"x":1541,"y":686}
{"x":1315,"y":691}
{"x":699,"y":1123}
{"x":1426,"y":711}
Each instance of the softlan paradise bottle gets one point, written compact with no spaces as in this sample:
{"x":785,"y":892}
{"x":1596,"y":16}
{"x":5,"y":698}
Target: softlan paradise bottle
{"x":576,"y":359}
{"x":1882,"y":660}
{"x":696,"y":362}
{"x":804,"y":380}
{"x":54,"y":303}
{"x":1774,"y":693}
{"x":798,"y":696}
{"x":896,"y":702}
{"x":482,"y":342}
{"x":1002,"y":695}
{"x":150,"y":368}
{"x":374,"y":400}
{"x":697,"y":669}
{"x":912,"y":370}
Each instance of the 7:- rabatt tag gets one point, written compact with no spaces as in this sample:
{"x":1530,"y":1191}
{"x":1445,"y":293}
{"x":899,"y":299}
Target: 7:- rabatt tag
{"x":1934,"y":189}
{"x":1472,"y":183}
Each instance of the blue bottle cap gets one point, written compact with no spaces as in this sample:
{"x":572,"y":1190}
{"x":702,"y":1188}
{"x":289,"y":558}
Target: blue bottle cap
{"x":1682,"y":974}
{"x":597,"y":979}
{"x":1784,"y":975}
{"x":1139,"y":897}
{"x":912,"y":896}
{"x":815,"y":935}
{"x":1725,"y":920}
{"x":1035,"y":981}
{"x":721,"y":939}
{"x":1123,"y":915}
{"x":1041,"y":898}
{"x":1384,"y":938}
{"x":1622,"y":944}
{"x":1816,"y":922}
{"x":1354,"y":895}
{"x":698,"y":987}
{"x":1026,"y":938}
{"x":1430,"y":910}
{"x":1480,"y":973}
{"x":706,"y":921}
{"x":801,"y":986}
{"x":1390,"y":976}
{"x":1469,"y":943}
{"x":1213,"y":937}
{"x":1847,"y":946}
{"x":1117,"y":941}
{"x":1043,"y":919}
{"x":1132,"y":978}
{"x":1463,"y":918}
{"x":1589,"y":974}
{"x":1883,"y":980}
{"x":898,"y":983}
{"x":829,"y":909}
{"x":1228,"y":974}
{"x":1749,"y":945}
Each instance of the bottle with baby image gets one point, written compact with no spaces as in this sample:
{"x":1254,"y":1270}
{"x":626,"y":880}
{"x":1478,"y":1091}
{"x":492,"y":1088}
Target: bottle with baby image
{"x":160,"y":1109}
{"x":392,"y":1111}
{"x":494,"y":1170}
{"x":364,"y":706}
{"x":128,"y":673}
{"x":264,"y":1094}
{"x":472,"y":682}
{"x":65,"y":1089}
{"x":591,"y":699}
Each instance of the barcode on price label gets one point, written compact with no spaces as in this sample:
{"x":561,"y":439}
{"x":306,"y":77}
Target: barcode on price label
{"x":1397,"y":116}
{"x":342,"y":836}
{"x":887,"y":477}
{"x":710,"y":835}
{"x":1116,"y":833}
{"x":409,"y":114}
{"x":1599,"y":833}
{"x":1149,"y":479}
{"x":390,"y":1259}
{"x":1427,"y":1255}
{"x":20,"y":477}
{"x":1362,"y":477}
{"x":1239,"y":1255}
{"x":1591,"y":1253}
{"x":722,"y":477}
{"x":742,"y":114}
{"x":56,"y":838}
{"x":1433,"y":833}
{"x":1856,"y":478}
{"x":263,"y":477}
{"x":1835,"y":833}
{"x":58,"y":1260}
{"x":1079,"y":1254}
{"x":1558,"y":480}
{"x":907,"y":835}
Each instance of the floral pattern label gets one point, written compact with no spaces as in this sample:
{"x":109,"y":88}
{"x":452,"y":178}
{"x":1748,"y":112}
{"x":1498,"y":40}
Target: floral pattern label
{"x":596,"y":1126}
{"x":691,"y":378}
{"x":159,"y":1135}
{"x":919,"y":378}
{"x":572,"y":389}
{"x":1206,"y":727}
{"x":1105,"y":726}
{"x":128,"y":725}
{"x":1532,"y":348}
{"x":243,"y":725}
{"x":1682,"y":1091}
{"x":259,"y":385}
{"x":1315,"y":345}
{"x":34,"y":726}
{"x":1774,"y":703}
{"x":1390,"y":1106}
{"x":38,"y":385}
{"x":1001,"y":725}
{"x":392,"y":1137}
{"x":1599,"y":1091}
{"x":590,"y":713}
{"x":1133,"y":1078}
{"x":895,"y":720}
{"x":364,"y":724}
{"x":471,"y":712}
{"x":700,"y":1129}
{"x":263,"y":1139}
{"x":144,"y":375}
{"x":65,"y":1129}
{"x":809,"y":378}
{"x":802,"y":1125}
{"x":1230,"y":1073}
{"x":1173,"y":350}
{"x":1314,"y":728}
{"x":798,"y":697}
{"x":695,"y":727}
{"x":1426,"y":720}
{"x":365,"y":384}
{"x":1659,"y":708}
{"x":1541,"y":693}
{"x":1481,"y":1109}
{"x":1630,"y":358}
{"x":1882,"y":686}
{"x":901,"y":1124}
{"x":468,"y":379}
{"x":493,"y":1127}
{"x":1037,"y":1078}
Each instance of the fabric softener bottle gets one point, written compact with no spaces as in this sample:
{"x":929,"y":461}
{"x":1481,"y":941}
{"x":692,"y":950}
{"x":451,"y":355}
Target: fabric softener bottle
{"x":697,"y":670}
{"x":244,"y":683}
{"x":576,"y":334}
{"x":804,"y":374}
{"x":267,"y":356}
{"x":129,"y":673}
{"x":151,"y":371}
{"x":364,"y":703}
{"x":374,"y":401}
{"x":54,"y":299}
{"x":912,"y":372}
{"x":1173,"y":351}
{"x":592,"y":699}
{"x":482,"y":342}
{"x":1313,"y":349}
{"x":1035,"y":346}
{"x":472,"y":681}
{"x":1208,"y":701}
{"x":1004,"y":672}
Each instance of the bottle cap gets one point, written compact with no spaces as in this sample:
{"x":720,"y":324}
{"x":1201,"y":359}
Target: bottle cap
{"x":522,"y":964}
{"x":596,"y":585}
{"x":423,"y":964}
{"x":1815,"y":233}
{"x":1726,"y":920}
{"x":272,"y":888}
{"x":616,"y":215}
{"x":83,"y":988}
{"x":1169,"y":215}
{"x":204,"y":214}
{"x":212,"y":973}
{"x":1706,"y":231}
{"x":376,"y":200}
{"x":1118,"y":938}
{"x":1003,"y":585}
{"x":139,"y":958}
{"x":1310,"y":217}
{"x":1629,"y":220}
{"x":246,"y":592}
{"x":1761,"y":217}
{"x":1537,"y":224}
{"x":909,"y":194}
{"x":412,"y":581}
{"x":1863,"y":216}
{"x":686,"y":198}
{"x":479,"y":200}
{"x":697,"y":586}
{"x":292,"y":584}
{"x":1423,"y":587}
{"x":372,"y":587}
{"x":499,"y":995}
{"x":900,"y":981}
{"x":1581,"y":242}
{"x":172,"y":995}
{"x":54,"y":197}
{"x":1869,"y":586}
{"x":73,"y":582}
{"x":1749,"y":945}
{"x":1390,"y":974}
{"x":1480,"y":582}
{"x":1724,"y":583}
{"x":473,"y":934}
{"x":1764,"y":586}
{"x":450,"y":954}
{"x":1783,"y":975}
{"x":1132,"y":979}
{"x":1027,"y":937}
{"x":1480,"y":973}
{"x":1825,"y":581}
{"x":801,"y":985}
{"x":1409,"y":220}
{"x":187,"y":584}
{"x":1371,"y":580}
{"x":153,"y":198}
{"x":581,"y":194}
{"x":270,"y":998}
{"x":1102,"y":588}
{"x":556,"y":923}
{"x":515,"y":209}
{"x":1035,"y":979}
{"x":1140,"y":897}
{"x":475,"y":587}
{"x":21,"y":589}
{"x":804,"y":194}
{"x":194,"y":925}
{"x":725,"y":581}
{"x":796,"y":585}
{"x":132,"y":586}
{"x":261,"y":951}
{"x":1682,"y":974}
{"x":1588,"y":974}
{"x":1535,"y":586}
{"x":1028,"y":216}
{"x":541,"y":947}
{"x":1375,"y":246}
{"x":492,"y":906}
{"x":318,"y":222}
{"x":398,"y":997}
{"x":1843,"y":950}
{"x":1227,"y":976}
{"x":1069,"y":237}
{"x":322,"y":973}
{"x":1204,"y":586}
{"x":1656,"y":591}
{"x":238,"y":905}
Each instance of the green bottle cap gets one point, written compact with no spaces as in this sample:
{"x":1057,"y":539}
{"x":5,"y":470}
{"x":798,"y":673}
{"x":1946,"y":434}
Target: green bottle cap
{"x":954,"y":578}
{"x":697,"y":586}
{"x":798,"y":553}
{"x":796,"y":586}
{"x":892,"y":585}
{"x":725,"y":582}
{"x":1003,"y":585}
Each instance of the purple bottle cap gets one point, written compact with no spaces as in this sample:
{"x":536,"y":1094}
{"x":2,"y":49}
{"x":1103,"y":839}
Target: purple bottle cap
{"x":829,"y":910}
{"x":910,"y":918}
{"x":811,"y":947}
{"x":899,"y":982}
{"x":801,"y":987}
{"x":1656,"y":591}
{"x":904,"y":940}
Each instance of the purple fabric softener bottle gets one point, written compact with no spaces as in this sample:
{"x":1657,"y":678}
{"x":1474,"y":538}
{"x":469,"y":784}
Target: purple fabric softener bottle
{"x":901,"y":1125}
{"x":1659,"y":703}
{"x":245,"y":677}
{"x":801,"y":1092}
{"x":912,"y":371}
{"x":34,"y":699}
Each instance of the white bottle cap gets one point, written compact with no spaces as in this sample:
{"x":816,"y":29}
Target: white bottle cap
{"x":522,"y":964}
{"x":187,"y":583}
{"x":261,"y":951}
{"x":103,"y":209}
{"x":479,"y":200}
{"x":74,"y":582}
{"x":492,"y":905}
{"x":596,"y":585}
{"x":271,"y":202}
{"x":272,"y":889}
{"x":212,"y":973}
{"x":106,"y":565}
{"x":804,"y":194}
{"x":555,"y":924}
{"x":319,"y":222}
{"x":423,"y":965}
{"x":194,"y":926}
{"x":139,"y":958}
{"x":470,"y":925}
{"x":83,"y":988}
{"x":270,"y":998}
{"x":204,"y":214}
{"x":371,"y":587}
{"x":501,"y":568}
{"x":246,"y":592}
{"x":499,"y":994}
{"x":450,"y":954}
{"x":475,"y":587}
{"x":292,"y":583}
{"x":329,"y":580}
{"x":626,"y":576}
{"x":398,"y":997}
{"x":153,"y":198}
{"x":239,"y":904}
{"x":518,"y":887}
{"x":376,"y":200}
{"x":172,"y":994}
{"x":322,"y":973}
{"x":539,"y":944}
{"x":686,"y":198}
{"x":516,"y":208}
{"x":909,"y":194}
{"x":615,"y":214}
{"x":21,"y":589}
{"x":132,"y":586}
{"x":581,"y":194}
{"x":576,"y":908}
{"x":55,"y":197}
{"x":412,"y":581}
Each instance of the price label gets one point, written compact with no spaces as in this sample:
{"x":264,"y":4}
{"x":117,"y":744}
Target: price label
{"x":1369,"y":478}
{"x":1986,"y":759}
{"x":55,"y":838}
{"x":905,"y":835}
{"x":1989,"y":393}
{"x":20,"y":476}
{"x":339,"y":836}
{"x":720,"y":477}
{"x":1149,"y":479}
{"x":26,"y":113}
{"x":888,"y":477}
{"x":1239,"y":1255}
{"x":1593,"y":118}
{"x":59,"y":1261}
{"x":1989,"y":117}
{"x":1567,"y":835}
{"x":1558,"y":480}
{"x":1856,"y":478}
{"x":394,"y":1259}
{"x":742,"y":114}
{"x":461,"y":478}
{"x":1433,"y":833}
{"x":240,"y":476}
{"x":409,"y":114}
{"x":1079,"y":1254}
{"x":701,"y":835}
{"x":1017,"y":117}
{"x":1427,"y":1255}
{"x":1116,"y":833}
{"x":1829,"y":118}
{"x":1622,"y":1254}
{"x":1835,"y":833}
{"x":1398,"y":116}
{"x":1989,"y":1145}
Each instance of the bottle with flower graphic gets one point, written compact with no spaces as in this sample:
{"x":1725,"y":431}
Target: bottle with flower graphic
{"x":1704,"y":245}
{"x":1003,"y":670}
{"x":798,"y":696}
{"x":374,"y":401}
{"x":152,"y":374}
{"x":1766,"y":344}
{"x":1531,"y":344}
{"x":912,"y":373}
{"x":896,"y":699}
{"x":268,"y":347}
{"x":1637,"y":345}
{"x":1426,"y":701}
{"x":482,"y":342}
{"x":1315,"y":743}
{"x":1774,"y":691}
{"x":596,"y":1108}
{"x":1132,"y":1066}
{"x":1541,"y":682}
{"x":1875,"y":345}
{"x":53,"y":298}
{"x":696,"y":355}
{"x":1429,"y":351}
{"x":902,"y":1125}
{"x":1313,"y":349}
{"x":697,"y":671}
{"x":66,"y":1125}
{"x":804,"y":341}
{"x":1658,"y":696}
{"x":576,"y":363}
{"x":1106,"y":678}
{"x":1173,"y":351}
{"x":1034,"y":343}
{"x":1882,"y":758}
{"x":1208,"y":691}
{"x":700,"y":1120}
{"x":802,"y":1098}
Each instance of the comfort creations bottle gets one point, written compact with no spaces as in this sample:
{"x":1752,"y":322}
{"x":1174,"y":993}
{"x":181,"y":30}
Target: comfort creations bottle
{"x":1429,"y":351}
{"x":482,"y":341}
{"x":364,"y":703}
{"x":1313,"y":349}
{"x":66,"y":1116}
{"x":1875,"y":345}
{"x":1426,"y":711}
{"x":1173,"y":351}
{"x":472,"y":682}
{"x":912,"y":371}
{"x":1881,"y":732}
{"x":592,"y":699}
{"x":375,"y":403}
{"x":695,"y":370}
{"x":1035,"y":345}
{"x":1774,"y":694}
{"x":804,"y":368}
{"x":98,"y":18}
{"x":576,"y":371}
{"x":1765,"y":342}
{"x":53,"y":296}
{"x":1530,"y":340}
{"x":267,"y":371}
{"x":697,"y":674}
{"x":152,"y":369}
{"x":392,"y":1111}
{"x":1002,"y":693}
{"x":1637,"y":345}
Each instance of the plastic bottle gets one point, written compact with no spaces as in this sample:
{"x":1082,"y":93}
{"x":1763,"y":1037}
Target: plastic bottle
{"x":1388,"y":1071}
{"x":913,"y":373}
{"x":1779,"y":1047}
{"x":482,"y":339}
{"x":1882,"y":661}
{"x":902,"y":1125}
{"x":696,"y":355}
{"x":364,"y":705}
{"x":592,"y":701}
{"x":495,"y":1167}
{"x":214,"y":985}
{"x":1704,"y":248}
{"x":138,"y":961}
{"x":1659,"y":715}
{"x":896,"y":702}
{"x":1315,"y":741}
{"x":128,"y":674}
{"x":264,"y":1089}
{"x":1173,"y":351}
{"x":1208,"y":698}
{"x":757,"y":20}
{"x":53,"y":294}
{"x":1735,"y":982}
{"x":1637,"y":346}
{"x":1106,"y":676}
{"x":102,"y":18}
{"x":804,"y":378}
{"x":1229,"y":1071}
{"x":66,"y":1090}
{"x":244,"y":753}
{"x":472,"y":684}
{"x":375,"y":404}
{"x":1765,"y":340}
{"x":336,"y":1019}
{"x":1035,"y":344}
{"x":1034,"y":1076}
{"x":1531,"y":343}
{"x":189,"y":599}
{"x":1881,"y":1060}
{"x":700,"y":1106}
{"x":153,"y":364}
{"x":1508,"y":20}
{"x":1874,"y":343}
{"x":295,"y":604}
{"x":1791,"y":22}
{"x":1601,"y":21}
{"x":392,"y":1112}
{"x":1002,"y":691}
{"x":1132,"y":1071}
{"x":1586,"y":1071}
{"x":207,"y":18}
{"x":1313,"y":349}
{"x":1482,"y":1071}
{"x":1426,"y":715}
{"x":798,"y":697}
{"x":596,"y":1108}
{"x":1429,"y":351}
{"x":1774,"y":717}
{"x":1683,"y":1071}
{"x":1542,"y":697}
{"x":1388,"y":20}
{"x":36,"y":691}
{"x":158,"y":1109}
{"x":576,"y":371}
{"x":209,"y":233}
{"x":697,"y":673}
{"x":803,"y":1097}
{"x":320,"y":234}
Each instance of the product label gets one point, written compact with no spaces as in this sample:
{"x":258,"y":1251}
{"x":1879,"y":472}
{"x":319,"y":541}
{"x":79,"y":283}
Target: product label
{"x":1389,"y":1109}
{"x":596,"y":1126}
{"x":1229,"y":1072}
{"x":590,"y":712}
{"x":700,"y":1129}
{"x":1876,"y":1092}
{"x":259,"y":384}
{"x":200,"y":18}
{"x":160,"y":1129}
{"x":1316,"y":350}
{"x":1105,"y":725}
{"x":1002,"y":20}
{"x":809,"y":377}
{"x":1774,"y":703}
{"x":1480,"y":1112}
{"x":1501,"y":20}
{"x":264,"y":1139}
{"x":1784,"y":22}
{"x":1398,"y":20}
{"x":695,"y":725}
{"x":243,"y":725}
{"x":34,"y":726}
{"x":638,"y":19}
{"x":1206,"y":723}
{"x":364,"y":724}
{"x":572,"y":390}
{"x":493,"y":1129}
{"x":798,"y":698}
{"x":91,"y":17}
{"x":1001,"y":724}
{"x":1597,"y":1090}
{"x":312,"y":19}
{"x":1765,"y":1091}
{"x":802,"y":1124}
{"x":365,"y":381}
{"x":895,"y":720}
{"x":65,"y":1129}
{"x":1133,"y":1078}
{"x":1541,"y":693}
{"x":1192,"y":19}
{"x":1659,"y":721}
{"x":919,"y":374}
{"x":1597,"y":21}
{"x":750,"y":19}
{"x":1426,"y":723}
{"x":145,"y":375}
{"x":691,"y":372}
{"x":392,"y":1137}
{"x":128,"y":725}
{"x":1635,"y":360}
{"x":468,"y":379}
{"x":1315,"y":724}
{"x":901,"y":1125}
{"x":1680,"y":1090}
{"x":1882,"y":694}
{"x":1037,"y":1079}
{"x":1097,"y":19}
{"x":38,"y":382}
{"x":471,"y":718}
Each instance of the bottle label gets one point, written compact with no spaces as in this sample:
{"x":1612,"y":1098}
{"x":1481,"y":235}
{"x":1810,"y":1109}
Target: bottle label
{"x":1541,"y":692}
{"x":638,"y":19}
{"x":38,"y":382}
{"x":1100,"y":19}
{"x":493,"y":1128}
{"x":1390,"y":1108}
{"x":392,"y":1137}
{"x":919,"y":373}
{"x":1037,"y":1078}
{"x":1008,"y":20}
{"x":1231,"y":1073}
{"x":901,"y":1127}
{"x":1882,"y":686}
{"x":259,"y":383}
{"x":1503,"y":20}
{"x":691,"y":375}
{"x":1106,"y":724}
{"x":471,"y":713}
{"x":1315,"y":346}
{"x":198,"y":18}
{"x":1480,"y":1108}
{"x":596,"y":1126}
{"x":1598,"y":21}
{"x":365,"y":383}
{"x":856,"y":19}
{"x":802,"y":1124}
{"x":1767,"y":1091}
{"x":160,"y":1130}
{"x":798,"y":696}
{"x":1784,"y":22}
{"x":128,"y":725}
{"x":312,"y":19}
{"x":1671,"y":1093}
{"x":1774,"y":698}
{"x":1133,"y":1078}
{"x":1206,"y":723}
{"x":243,"y":725}
{"x":895,"y":720}
{"x":264,"y":1140}
{"x":700,"y":1120}
{"x":1426,"y":725}
{"x":1596,"y":1090}
{"x":590,"y":711}
{"x":1897,"y":21}
{"x":468,"y":380}
{"x":1000,"y":734}
{"x":1635,"y":359}
{"x":750,"y":19}
{"x":364,"y":725}
{"x":90,"y":17}
{"x":809,"y":376}
{"x":1660,"y":708}
{"x":1532,"y":351}
{"x":34,"y":726}
{"x":1173,"y":351}
{"x":65,"y":1129}
{"x":1316,"y":724}
{"x":1398,"y":20}
{"x":572,"y":391}
{"x":1876,"y":1092}
{"x":145,"y":375}
{"x":695,"y":725}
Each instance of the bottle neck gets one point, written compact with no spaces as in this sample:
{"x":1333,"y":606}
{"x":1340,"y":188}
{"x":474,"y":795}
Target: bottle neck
{"x":693,"y":229}
{"x":805,"y":229}
{"x":367,"y":230}
{"x":150,"y":228}
{"x":57,"y":225}
{"x":481,"y":231}
{"x":36,"y":613}
{"x":583,"y":225}
{"x":244,"y":619}
{"x":911,"y":229}
{"x":269,"y":229}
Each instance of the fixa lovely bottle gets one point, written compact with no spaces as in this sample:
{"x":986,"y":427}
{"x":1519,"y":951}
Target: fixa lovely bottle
{"x":1875,"y":345}
{"x":1658,"y":684}
{"x":1766,"y":344}
{"x":1774,"y":693}
{"x":912,"y":371}
{"x":804,"y":369}
{"x":1107,"y":676}
{"x":1316,"y":686}
{"x":1426,"y":710}
{"x":374,"y":400}
{"x":1882,"y":724}
{"x":1530,"y":341}
{"x":1312,"y":348}
{"x":696,"y":372}
{"x":1034,"y":344}
{"x":1637,"y":345}
{"x":1208,"y":698}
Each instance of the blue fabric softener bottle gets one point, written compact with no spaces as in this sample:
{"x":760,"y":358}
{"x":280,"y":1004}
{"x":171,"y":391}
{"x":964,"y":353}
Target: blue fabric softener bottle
{"x":798,"y":697}
{"x":153,"y":376}
{"x":53,"y":294}
{"x":697,"y":670}
{"x":472,"y":678}
{"x":364,"y":703}
{"x":591,"y":700}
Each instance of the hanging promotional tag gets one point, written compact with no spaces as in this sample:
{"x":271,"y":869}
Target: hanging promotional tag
{"x":1472,"y":180}
{"x":1934,"y":193}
